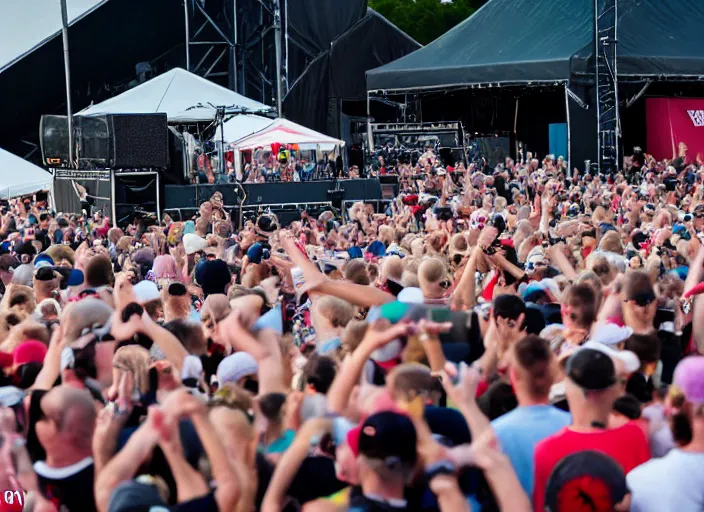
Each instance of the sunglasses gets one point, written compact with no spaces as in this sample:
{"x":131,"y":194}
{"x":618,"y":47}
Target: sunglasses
{"x":643,"y":299}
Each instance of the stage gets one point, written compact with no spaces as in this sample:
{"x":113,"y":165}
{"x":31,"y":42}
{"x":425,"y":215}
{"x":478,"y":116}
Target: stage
{"x":285,"y":199}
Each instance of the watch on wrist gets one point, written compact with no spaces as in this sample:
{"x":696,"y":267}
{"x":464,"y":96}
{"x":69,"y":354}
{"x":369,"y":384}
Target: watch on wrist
{"x":441,"y":467}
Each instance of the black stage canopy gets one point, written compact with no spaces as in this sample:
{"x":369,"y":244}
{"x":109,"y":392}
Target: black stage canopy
{"x":523,"y":41}
{"x":339,"y":72}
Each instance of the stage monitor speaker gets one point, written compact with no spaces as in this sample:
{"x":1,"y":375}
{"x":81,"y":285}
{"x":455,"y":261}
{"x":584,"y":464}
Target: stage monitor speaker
{"x":389,"y":186}
{"x":132,"y":192}
{"x":123,"y":141}
{"x":54,"y":140}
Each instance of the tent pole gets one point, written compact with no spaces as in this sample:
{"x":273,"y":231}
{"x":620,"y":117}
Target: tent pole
{"x":188,"y":36}
{"x":569,"y":138}
{"x":277,"y":49}
{"x":370,"y":135}
{"x":67,"y":72}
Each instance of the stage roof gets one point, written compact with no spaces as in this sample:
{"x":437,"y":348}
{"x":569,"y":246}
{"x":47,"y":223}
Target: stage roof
{"x":283,"y":131}
{"x":524,"y":41}
{"x":27,"y":24}
{"x":183,"y":96}
{"x":19,"y":177}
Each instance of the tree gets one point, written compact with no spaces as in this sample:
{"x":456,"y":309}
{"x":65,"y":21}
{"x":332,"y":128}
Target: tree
{"x":425,"y":20}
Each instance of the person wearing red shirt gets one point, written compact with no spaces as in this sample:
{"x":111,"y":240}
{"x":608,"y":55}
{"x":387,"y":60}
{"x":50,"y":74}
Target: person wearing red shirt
{"x":591,"y":389}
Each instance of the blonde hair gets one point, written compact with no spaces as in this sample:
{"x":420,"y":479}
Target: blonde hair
{"x":337,"y":311}
{"x":352,"y":336}
{"x":432,"y":270}
{"x":392,"y":268}
{"x":611,"y":242}
{"x":134,"y":359}
{"x":387,"y":235}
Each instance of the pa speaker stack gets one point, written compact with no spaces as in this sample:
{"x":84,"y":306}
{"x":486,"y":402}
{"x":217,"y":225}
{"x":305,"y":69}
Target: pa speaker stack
{"x":109,"y":141}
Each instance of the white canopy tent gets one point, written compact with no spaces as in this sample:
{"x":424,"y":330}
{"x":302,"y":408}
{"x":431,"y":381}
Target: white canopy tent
{"x":181,"y":95}
{"x":26,"y":25}
{"x":241,"y":126}
{"x":18,"y":177}
{"x":283,"y":131}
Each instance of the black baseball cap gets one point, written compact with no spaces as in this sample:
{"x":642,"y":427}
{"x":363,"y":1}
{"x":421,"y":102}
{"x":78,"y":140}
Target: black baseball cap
{"x":585,"y":481}
{"x":591,"y":369}
{"x":390,"y":437}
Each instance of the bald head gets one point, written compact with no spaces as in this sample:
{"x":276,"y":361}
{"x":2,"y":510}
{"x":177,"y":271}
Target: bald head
{"x":73,"y":411}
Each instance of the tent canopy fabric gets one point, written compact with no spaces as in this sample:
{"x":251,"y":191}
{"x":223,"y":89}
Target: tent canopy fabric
{"x":183,"y":96}
{"x":241,"y":126}
{"x":339,"y":72}
{"x":505,"y":40}
{"x":18,"y":177}
{"x":283,"y":131}
{"x":27,"y":25}
{"x":521,"y":41}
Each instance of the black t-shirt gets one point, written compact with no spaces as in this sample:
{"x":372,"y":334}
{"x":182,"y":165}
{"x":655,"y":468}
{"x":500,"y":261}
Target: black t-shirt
{"x":360,"y":503}
{"x":43,"y":236}
{"x":70,"y":489}
{"x":316,"y":478}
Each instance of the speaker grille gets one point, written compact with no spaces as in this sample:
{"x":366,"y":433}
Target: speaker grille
{"x":53,"y":138}
{"x":140,"y":140}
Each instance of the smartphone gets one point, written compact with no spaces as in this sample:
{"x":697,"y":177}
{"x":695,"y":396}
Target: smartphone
{"x":439,"y":315}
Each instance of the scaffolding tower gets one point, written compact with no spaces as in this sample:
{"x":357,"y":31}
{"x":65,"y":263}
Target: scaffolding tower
{"x":608,"y":120}
{"x":239,"y":44}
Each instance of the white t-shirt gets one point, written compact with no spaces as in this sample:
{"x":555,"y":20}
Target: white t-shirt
{"x":672,"y":482}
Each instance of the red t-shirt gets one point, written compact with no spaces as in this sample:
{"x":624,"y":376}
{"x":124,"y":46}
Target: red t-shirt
{"x":627,"y":445}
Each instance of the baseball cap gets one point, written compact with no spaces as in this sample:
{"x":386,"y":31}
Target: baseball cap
{"x":192,"y":243}
{"x":131,"y":496}
{"x":43,"y":260}
{"x":236,"y":366}
{"x":629,"y":359}
{"x":411,"y":295}
{"x":30,"y":351}
{"x":213,"y":276}
{"x":585,"y":481}
{"x":45,"y":274}
{"x":689,"y":378}
{"x":591,"y":369}
{"x":390,"y":437}
{"x":69,"y":276}
{"x":146,"y":291}
{"x":611,"y":334}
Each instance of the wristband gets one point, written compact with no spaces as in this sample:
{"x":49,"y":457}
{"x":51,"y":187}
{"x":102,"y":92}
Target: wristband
{"x":441,"y":467}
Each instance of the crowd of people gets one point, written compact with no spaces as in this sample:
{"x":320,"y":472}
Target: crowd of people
{"x":280,"y":164}
{"x":517,"y":338}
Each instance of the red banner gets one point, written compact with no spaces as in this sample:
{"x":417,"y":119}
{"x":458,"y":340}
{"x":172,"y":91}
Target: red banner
{"x":671,"y":121}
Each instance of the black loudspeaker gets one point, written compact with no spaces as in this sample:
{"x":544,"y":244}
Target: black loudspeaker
{"x":53,"y":138}
{"x":93,"y":142}
{"x":140,"y":140}
{"x":123,"y":141}
{"x":389,"y":186}
{"x":134,"y":191}
{"x":495,"y":149}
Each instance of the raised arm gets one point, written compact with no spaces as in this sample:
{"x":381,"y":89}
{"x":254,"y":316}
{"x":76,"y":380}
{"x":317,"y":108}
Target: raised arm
{"x":378,"y":334}
{"x":125,"y":464}
{"x":290,"y":462}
